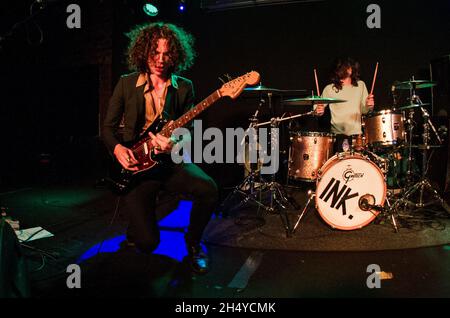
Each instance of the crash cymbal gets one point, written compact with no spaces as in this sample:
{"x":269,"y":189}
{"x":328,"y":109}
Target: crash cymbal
{"x":415,"y":84}
{"x":412,"y":106}
{"x":306,"y":101}
{"x":264,"y":89}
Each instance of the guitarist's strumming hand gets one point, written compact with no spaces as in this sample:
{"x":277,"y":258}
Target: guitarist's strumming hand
{"x":161,"y":144}
{"x":126,"y":157}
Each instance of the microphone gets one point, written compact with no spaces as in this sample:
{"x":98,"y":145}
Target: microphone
{"x":367,"y":202}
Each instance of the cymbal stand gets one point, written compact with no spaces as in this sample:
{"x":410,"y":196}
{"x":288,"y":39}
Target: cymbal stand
{"x":311,"y":194}
{"x":278,"y":194}
{"x":411,"y":125}
{"x":250,"y":180}
{"x":423,"y":183}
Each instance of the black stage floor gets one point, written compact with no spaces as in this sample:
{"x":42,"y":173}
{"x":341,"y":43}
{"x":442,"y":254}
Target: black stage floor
{"x":88,"y":232}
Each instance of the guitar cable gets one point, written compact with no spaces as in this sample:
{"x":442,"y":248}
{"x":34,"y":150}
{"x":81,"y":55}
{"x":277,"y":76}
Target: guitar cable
{"x":116,"y":211}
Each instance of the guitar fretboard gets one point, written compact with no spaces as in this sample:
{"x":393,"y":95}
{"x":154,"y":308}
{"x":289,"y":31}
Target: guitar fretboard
{"x":191,"y":114}
{"x":180,"y":122}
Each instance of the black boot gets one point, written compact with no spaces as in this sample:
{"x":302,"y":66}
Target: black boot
{"x":197,"y":259}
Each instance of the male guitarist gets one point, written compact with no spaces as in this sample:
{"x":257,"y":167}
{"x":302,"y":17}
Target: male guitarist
{"x":158,"y":51}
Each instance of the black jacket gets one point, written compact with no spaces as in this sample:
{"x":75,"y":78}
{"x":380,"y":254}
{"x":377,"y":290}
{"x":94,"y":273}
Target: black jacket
{"x":128,"y":101}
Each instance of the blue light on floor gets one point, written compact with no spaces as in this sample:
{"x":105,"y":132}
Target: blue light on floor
{"x":172,"y":242}
{"x":179,"y":217}
{"x":172,"y":245}
{"x":108,"y":246}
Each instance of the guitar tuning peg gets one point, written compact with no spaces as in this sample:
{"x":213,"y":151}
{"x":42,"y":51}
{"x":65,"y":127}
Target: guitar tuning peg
{"x":229,"y":78}
{"x":221,"y":79}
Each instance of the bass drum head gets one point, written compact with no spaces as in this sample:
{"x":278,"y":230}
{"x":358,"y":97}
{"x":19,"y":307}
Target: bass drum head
{"x":343,"y":180}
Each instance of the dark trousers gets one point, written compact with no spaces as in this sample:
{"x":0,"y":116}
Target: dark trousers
{"x":140,"y":202}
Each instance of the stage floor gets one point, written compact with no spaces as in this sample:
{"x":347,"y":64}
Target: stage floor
{"x":80,"y":218}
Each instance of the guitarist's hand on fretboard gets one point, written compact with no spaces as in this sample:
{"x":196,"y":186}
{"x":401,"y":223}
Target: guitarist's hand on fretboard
{"x":125,"y":157}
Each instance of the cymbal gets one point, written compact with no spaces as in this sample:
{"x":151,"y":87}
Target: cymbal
{"x":412,"y":106}
{"x":306,"y":101}
{"x":264,"y":89}
{"x":422,"y":146}
{"x":415,"y":84}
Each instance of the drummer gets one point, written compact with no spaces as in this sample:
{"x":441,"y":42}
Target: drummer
{"x":346,"y":117}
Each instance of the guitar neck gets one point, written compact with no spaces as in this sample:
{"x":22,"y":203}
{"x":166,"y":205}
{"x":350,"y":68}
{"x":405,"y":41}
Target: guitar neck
{"x":232,"y":89}
{"x":191,"y":114}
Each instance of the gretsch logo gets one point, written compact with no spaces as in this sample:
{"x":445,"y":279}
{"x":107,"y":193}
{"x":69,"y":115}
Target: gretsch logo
{"x":349,"y":175}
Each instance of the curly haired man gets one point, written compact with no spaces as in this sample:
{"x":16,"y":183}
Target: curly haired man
{"x":157,"y":53}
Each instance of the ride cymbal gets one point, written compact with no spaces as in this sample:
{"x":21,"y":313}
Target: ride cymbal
{"x":415,"y":84}
{"x":412,"y":106}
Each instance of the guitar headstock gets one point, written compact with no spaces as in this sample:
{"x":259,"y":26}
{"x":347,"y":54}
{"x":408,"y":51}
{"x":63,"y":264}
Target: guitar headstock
{"x":235,"y":87}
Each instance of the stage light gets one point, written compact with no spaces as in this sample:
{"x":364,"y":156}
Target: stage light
{"x":150,"y":10}
{"x":181,"y":5}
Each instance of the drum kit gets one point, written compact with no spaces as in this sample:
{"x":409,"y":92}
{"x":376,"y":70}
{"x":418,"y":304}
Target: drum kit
{"x":350,"y":187}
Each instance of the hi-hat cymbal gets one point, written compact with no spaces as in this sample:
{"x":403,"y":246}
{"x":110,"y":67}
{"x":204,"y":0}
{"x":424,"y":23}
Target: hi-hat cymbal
{"x":412,"y":106}
{"x":311,"y":100}
{"x":415,"y":84}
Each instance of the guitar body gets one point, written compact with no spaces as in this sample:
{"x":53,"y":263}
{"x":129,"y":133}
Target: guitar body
{"x":143,"y":150}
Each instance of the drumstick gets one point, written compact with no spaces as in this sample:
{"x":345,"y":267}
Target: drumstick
{"x":374,"y":78}
{"x":317,"y":83}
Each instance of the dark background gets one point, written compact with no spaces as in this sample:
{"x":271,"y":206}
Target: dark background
{"x":55,"y":82}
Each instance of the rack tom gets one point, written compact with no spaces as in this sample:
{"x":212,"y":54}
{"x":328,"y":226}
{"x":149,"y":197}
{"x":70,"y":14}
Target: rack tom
{"x":384,"y":129}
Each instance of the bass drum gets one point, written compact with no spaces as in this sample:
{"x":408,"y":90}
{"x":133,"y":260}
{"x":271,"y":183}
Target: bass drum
{"x":346,"y":183}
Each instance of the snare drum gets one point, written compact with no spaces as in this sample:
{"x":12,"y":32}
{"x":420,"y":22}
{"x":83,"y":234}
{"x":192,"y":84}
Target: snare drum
{"x":344,"y":181}
{"x":384,"y":128}
{"x":307,"y":153}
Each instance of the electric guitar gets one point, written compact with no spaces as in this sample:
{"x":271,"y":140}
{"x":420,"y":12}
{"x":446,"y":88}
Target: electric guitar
{"x":143,"y":149}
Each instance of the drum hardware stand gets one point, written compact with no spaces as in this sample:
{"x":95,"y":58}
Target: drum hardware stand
{"x":382,"y":209}
{"x":423,"y":184}
{"x":411,"y":124}
{"x":311,"y":195}
{"x":385,"y":168}
{"x":278,"y":194}
{"x":250,"y":180}
{"x":391,"y":212}
{"x":365,"y":205}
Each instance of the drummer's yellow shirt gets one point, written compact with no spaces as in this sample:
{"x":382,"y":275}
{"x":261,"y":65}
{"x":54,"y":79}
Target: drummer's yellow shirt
{"x":346,"y":117}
